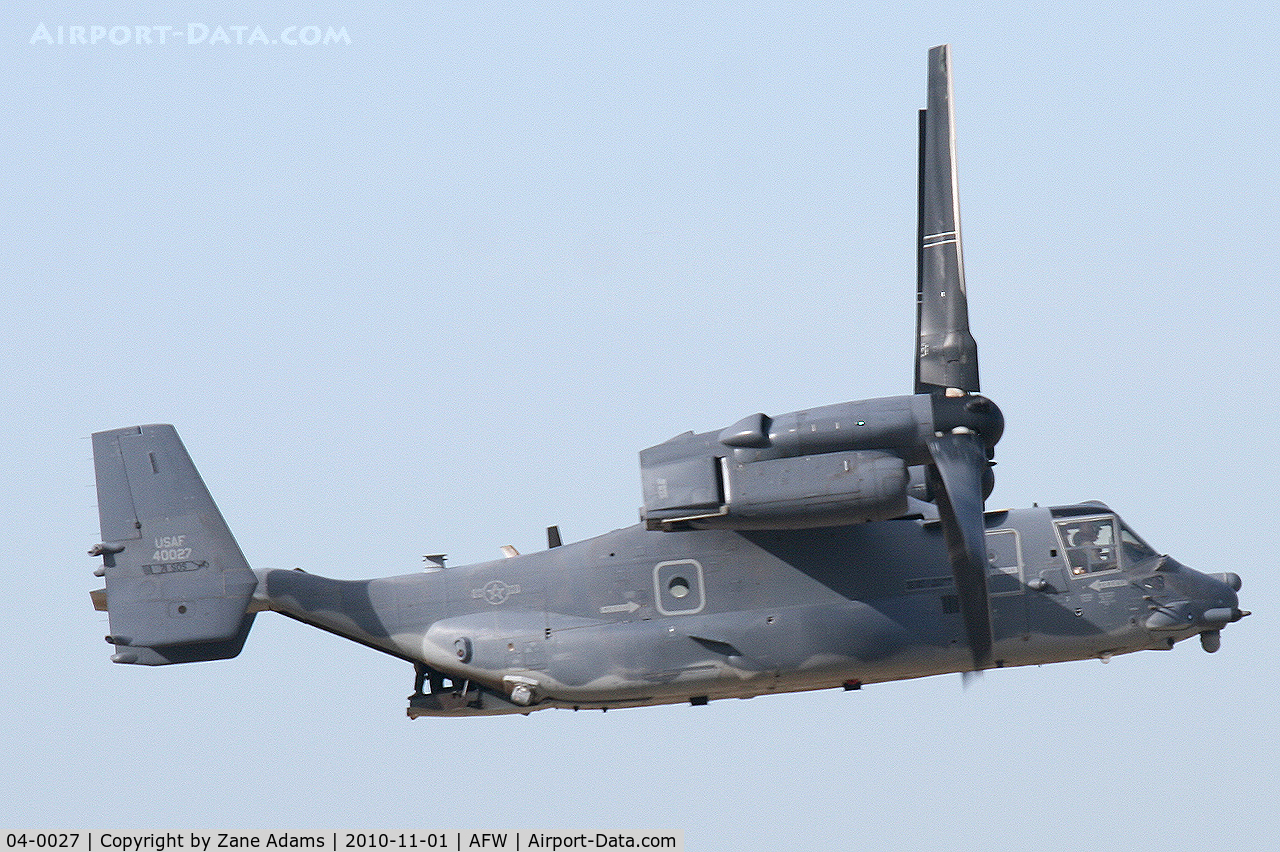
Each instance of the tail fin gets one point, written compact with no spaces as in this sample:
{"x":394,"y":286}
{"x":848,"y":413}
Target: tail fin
{"x":178,"y":587}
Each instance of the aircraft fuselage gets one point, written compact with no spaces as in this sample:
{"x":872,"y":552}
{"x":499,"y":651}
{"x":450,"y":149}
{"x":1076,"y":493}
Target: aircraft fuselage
{"x":637,"y":617}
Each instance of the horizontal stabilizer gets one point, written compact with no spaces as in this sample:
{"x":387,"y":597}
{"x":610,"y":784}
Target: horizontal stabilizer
{"x":178,"y":587}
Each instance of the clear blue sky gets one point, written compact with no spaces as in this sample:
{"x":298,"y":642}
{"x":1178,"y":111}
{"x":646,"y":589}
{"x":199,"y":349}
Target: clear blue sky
{"x":432,"y":290}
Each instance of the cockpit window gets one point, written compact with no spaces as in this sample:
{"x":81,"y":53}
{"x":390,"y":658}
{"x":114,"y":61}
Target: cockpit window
{"x":1135,"y":549}
{"x":1090,"y":544}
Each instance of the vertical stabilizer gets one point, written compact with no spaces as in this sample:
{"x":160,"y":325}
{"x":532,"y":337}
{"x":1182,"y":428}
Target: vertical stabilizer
{"x":178,"y":587}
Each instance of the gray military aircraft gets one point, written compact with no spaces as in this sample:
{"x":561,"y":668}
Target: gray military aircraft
{"x":832,"y":547}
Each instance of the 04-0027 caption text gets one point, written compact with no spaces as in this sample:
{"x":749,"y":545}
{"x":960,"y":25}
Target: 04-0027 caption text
{"x":338,"y":841}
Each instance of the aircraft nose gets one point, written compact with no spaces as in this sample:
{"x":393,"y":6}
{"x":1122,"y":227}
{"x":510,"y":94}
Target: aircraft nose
{"x":1228,"y":611}
{"x":1223,"y":608}
{"x":1210,"y":603}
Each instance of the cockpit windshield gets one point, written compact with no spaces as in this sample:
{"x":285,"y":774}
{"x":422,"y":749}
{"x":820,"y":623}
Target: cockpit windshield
{"x":1135,"y":549}
{"x":1100,"y":543}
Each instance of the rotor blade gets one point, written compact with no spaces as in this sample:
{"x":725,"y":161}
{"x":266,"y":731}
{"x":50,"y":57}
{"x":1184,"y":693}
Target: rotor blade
{"x":959,"y":463}
{"x":946,"y":355}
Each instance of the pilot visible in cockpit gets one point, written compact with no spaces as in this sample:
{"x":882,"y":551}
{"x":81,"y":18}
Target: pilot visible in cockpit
{"x":1083,"y":534}
{"x":1090,"y":546}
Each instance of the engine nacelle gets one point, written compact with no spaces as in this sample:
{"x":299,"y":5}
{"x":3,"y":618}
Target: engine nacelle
{"x":839,"y":464}
{"x":789,"y":493}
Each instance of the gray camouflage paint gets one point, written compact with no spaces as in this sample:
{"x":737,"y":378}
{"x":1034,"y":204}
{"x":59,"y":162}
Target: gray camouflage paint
{"x":596,"y":624}
{"x":833,"y":547}
{"x":779,"y":612}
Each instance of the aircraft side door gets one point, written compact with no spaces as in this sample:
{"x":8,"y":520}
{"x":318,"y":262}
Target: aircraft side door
{"x":1005,"y":583}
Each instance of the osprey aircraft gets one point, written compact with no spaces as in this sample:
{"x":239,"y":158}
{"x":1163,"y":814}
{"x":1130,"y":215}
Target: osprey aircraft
{"x":826,"y":548}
